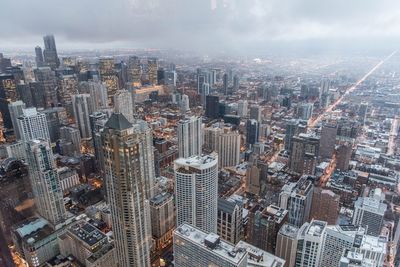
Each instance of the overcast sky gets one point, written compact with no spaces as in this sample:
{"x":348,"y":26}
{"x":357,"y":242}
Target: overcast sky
{"x":204,"y":25}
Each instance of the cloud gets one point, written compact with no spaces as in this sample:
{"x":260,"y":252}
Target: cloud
{"x":196,"y":24}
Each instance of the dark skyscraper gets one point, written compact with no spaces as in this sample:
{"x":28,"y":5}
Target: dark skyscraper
{"x":252,"y":128}
{"x":328,"y":140}
{"x":225,"y":83}
{"x":39,"y":56}
{"x":50,"y":52}
{"x":212,"y":106}
{"x":8,"y":93}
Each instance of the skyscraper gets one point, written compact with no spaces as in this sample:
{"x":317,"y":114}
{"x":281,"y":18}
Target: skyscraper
{"x":225,"y":83}
{"x":328,"y":140}
{"x":8,"y":93}
{"x":39,"y":57}
{"x":68,"y":86}
{"x":109,"y":76}
{"x":196,"y":191}
{"x":80,"y":104}
{"x":293,"y":127}
{"x":325,"y":206}
{"x":123,"y":103}
{"x":47,"y":77}
{"x":343,"y":156}
{"x":212,"y":106}
{"x":50,"y":52}
{"x":252,"y":132}
{"x":286,"y":244}
{"x":230,"y":220}
{"x":190,"y":136}
{"x":33,"y":125}
{"x":228,"y":148}
{"x":45,"y":182}
{"x":304,"y":154}
{"x":152,"y":67}
{"x":125,"y":183}
{"x":255,"y":113}
{"x":242,"y":108}
{"x":134,"y":70}
{"x":16,"y":109}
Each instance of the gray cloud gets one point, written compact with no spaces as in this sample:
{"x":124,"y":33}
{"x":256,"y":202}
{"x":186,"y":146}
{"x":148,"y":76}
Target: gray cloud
{"x":197,"y":24}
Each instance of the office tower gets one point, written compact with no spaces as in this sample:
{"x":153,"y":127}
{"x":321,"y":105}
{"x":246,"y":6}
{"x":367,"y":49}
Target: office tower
{"x":184,"y":104}
{"x":162,"y":213}
{"x":255,"y":113}
{"x":45,"y":182}
{"x":293,"y":127}
{"x":369,"y":212}
{"x":170,"y":77}
{"x":38,"y":95}
{"x":83,"y":240}
{"x":297,"y":199}
{"x":68,"y":86}
{"x":286,"y":244}
{"x":70,"y":143}
{"x":253,"y":179}
{"x":328,"y":140}
{"x":39,"y":57}
{"x":362,"y":112}
{"x":152,"y":67}
{"x":304,"y":111}
{"x":109,"y":77}
{"x":230,"y":220}
{"x":8,"y":93}
{"x":196,"y":191}
{"x":97,"y":91}
{"x":134,"y":70}
{"x":123,"y":103}
{"x":205,"y":91}
{"x":310,"y":243}
{"x":16,"y":110}
{"x":338,"y":238}
{"x":304,"y":154}
{"x":343,"y":156}
{"x":25,"y":94}
{"x":47,"y":77}
{"x":4,"y":63}
{"x":97,"y":122}
{"x":201,"y":79}
{"x":54,"y":118}
{"x":212,"y":107}
{"x":190,"y":136}
{"x":235,"y":82}
{"x":225,"y":83}
{"x":194,"y":247}
{"x":242,"y":108}
{"x":252,"y":128}
{"x":50,"y":52}
{"x":228,"y":148}
{"x":80,"y":105}
{"x":211,"y":135}
{"x":33,"y":125}
{"x":160,"y":76}
{"x":263,"y":226}
{"x":126,"y":191}
{"x":325,"y":206}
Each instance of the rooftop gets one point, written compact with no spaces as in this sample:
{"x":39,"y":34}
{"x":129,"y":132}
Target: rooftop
{"x":199,"y":162}
{"x":86,"y":232}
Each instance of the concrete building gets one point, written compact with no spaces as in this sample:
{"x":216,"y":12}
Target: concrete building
{"x":286,"y":244}
{"x":68,"y":178}
{"x":123,"y":103}
{"x":230,"y":220}
{"x":293,"y":128}
{"x":343,"y":156}
{"x":16,"y":110}
{"x":190,"y":137}
{"x":196,"y":191}
{"x":325,"y":206}
{"x":255,"y":113}
{"x":33,"y":125}
{"x":81,"y":108}
{"x":328,"y":140}
{"x":125,"y":182}
{"x":304,"y":154}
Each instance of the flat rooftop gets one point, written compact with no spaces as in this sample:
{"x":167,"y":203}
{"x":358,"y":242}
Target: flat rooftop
{"x":87,"y":233}
{"x":198,"y":162}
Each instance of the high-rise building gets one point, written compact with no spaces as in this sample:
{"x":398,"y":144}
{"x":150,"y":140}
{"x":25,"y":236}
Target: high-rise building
{"x":325,"y":206}
{"x":263,"y":226}
{"x":228,"y":148}
{"x":362,"y":112}
{"x":68,"y":86}
{"x":33,"y":125}
{"x":304,"y":154}
{"x":328,"y":140}
{"x":47,"y":78}
{"x":235,"y":82}
{"x":194,"y":247}
{"x":8,"y":93}
{"x":310,"y":241}
{"x":230,"y":220}
{"x":293,"y":127}
{"x":97,"y":91}
{"x":123,"y":103}
{"x":109,"y":76}
{"x":125,"y":183}
{"x":162,"y":212}
{"x":343,"y":156}
{"x":205,"y":91}
{"x":50,"y":52}
{"x":196,"y":191}
{"x":4,"y":63}
{"x":212,"y":106}
{"x":297,"y":199}
{"x":253,"y":179}
{"x":369,"y":212}
{"x":255,"y":113}
{"x":184,"y":104}
{"x":225,"y":84}
{"x":152,"y":67}
{"x":286,"y":244}
{"x":16,"y":110}
{"x":190,"y":136}
{"x":38,"y":96}
{"x":242,"y":108}
{"x":354,"y":259}
{"x":252,"y":132}
{"x":45,"y":182}
{"x":80,"y":105}
{"x":39,"y":57}
{"x":134,"y":70}
{"x":304,"y":111}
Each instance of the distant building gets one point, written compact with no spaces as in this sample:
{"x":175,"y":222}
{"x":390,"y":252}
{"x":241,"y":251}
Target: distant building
{"x":190,"y":137}
{"x":252,"y":132}
{"x":328,"y":140}
{"x":343,"y":156}
{"x":82,"y":111}
{"x":50,"y":52}
{"x":304,"y":154}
